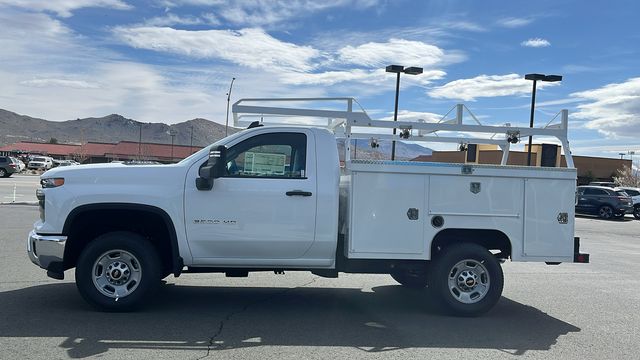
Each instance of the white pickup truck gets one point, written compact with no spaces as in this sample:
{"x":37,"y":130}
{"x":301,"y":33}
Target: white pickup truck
{"x":275,"y":198}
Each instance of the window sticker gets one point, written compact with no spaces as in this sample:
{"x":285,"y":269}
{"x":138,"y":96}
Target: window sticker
{"x":264,"y":163}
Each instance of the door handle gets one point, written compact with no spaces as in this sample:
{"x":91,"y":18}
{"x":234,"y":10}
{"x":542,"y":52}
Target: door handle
{"x":298,"y":193}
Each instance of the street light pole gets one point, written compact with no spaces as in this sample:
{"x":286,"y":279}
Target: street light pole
{"x":140,"y":142}
{"x":533,"y":108}
{"x":226,"y":126}
{"x":399,"y":69}
{"x":535,"y":78}
{"x":172,"y":133}
{"x":191,"y":143}
{"x":395,"y":117}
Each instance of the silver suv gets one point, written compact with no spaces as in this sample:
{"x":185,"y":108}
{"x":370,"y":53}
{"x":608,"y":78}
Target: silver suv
{"x":635,"y":196}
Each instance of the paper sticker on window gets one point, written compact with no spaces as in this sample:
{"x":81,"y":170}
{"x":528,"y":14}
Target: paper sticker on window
{"x":264,"y":163}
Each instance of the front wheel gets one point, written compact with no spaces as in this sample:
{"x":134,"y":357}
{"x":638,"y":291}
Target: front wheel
{"x":467,"y":279}
{"x":118,"y":271}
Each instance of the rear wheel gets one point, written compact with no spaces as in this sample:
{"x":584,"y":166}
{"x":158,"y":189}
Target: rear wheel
{"x":3,"y":172}
{"x":118,"y":271}
{"x":636,"y":212}
{"x":467,"y":279}
{"x":605,"y":212}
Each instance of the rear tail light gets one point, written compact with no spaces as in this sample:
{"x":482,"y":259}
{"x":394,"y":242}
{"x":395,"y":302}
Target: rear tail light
{"x":12,"y":166}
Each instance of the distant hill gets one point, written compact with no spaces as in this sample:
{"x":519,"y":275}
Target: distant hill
{"x":114,"y":128}
{"x":110,"y":128}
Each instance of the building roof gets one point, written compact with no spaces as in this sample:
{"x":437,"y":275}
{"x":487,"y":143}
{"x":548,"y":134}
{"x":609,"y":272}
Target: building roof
{"x":123,"y":150}
{"x":41,"y":148}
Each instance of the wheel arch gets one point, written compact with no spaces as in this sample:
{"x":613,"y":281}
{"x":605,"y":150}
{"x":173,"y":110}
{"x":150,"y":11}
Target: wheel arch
{"x":142,"y":219}
{"x":491,"y":239}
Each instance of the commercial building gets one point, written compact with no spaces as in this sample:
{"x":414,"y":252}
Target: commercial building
{"x":589,"y":168}
{"x":95,"y":152}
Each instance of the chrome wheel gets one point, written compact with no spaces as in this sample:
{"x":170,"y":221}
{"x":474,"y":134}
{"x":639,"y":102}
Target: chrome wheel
{"x":116,"y":274}
{"x":469,"y":281}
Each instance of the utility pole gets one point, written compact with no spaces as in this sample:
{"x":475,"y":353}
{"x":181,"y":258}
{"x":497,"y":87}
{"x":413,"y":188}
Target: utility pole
{"x":226,"y":126}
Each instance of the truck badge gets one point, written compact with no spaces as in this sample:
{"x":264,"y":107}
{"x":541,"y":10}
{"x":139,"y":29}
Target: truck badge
{"x":563,"y":218}
{"x":474,"y":187}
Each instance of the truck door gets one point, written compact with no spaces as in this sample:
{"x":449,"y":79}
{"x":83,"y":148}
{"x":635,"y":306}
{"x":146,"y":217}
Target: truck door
{"x":263,"y":207}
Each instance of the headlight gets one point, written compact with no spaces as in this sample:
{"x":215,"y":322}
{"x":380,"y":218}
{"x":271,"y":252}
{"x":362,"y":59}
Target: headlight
{"x":52,"y":182}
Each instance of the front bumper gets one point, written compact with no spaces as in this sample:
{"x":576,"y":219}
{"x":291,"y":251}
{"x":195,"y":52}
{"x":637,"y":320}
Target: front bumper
{"x":624,"y":209}
{"x":47,"y":251}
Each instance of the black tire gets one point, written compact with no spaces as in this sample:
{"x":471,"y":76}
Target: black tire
{"x":636,"y":212}
{"x":605,"y":212}
{"x":466,"y":264}
{"x":125,"y":255}
{"x":3,"y":172}
{"x":412,"y":278}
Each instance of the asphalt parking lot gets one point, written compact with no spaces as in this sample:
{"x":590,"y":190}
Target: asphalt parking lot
{"x":570,"y":311}
{"x":19,"y":188}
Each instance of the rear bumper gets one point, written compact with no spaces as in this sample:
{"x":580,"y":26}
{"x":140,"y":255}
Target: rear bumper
{"x":579,"y":257}
{"x":47,"y":251}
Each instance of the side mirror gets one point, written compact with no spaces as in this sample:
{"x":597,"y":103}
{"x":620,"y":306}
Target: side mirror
{"x":214,"y":168}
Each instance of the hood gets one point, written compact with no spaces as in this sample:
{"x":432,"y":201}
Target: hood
{"x":116,"y":173}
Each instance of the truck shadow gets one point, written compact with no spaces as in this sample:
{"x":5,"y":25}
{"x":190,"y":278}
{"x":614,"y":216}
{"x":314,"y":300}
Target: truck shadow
{"x":219,"y":318}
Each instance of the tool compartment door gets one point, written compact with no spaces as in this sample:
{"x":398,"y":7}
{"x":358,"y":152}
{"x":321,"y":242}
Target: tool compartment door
{"x":548,"y":202}
{"x":387,"y":212}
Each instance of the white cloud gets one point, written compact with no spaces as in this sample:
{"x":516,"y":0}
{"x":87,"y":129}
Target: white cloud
{"x":536,"y":43}
{"x":395,"y":51}
{"x":371,"y":77}
{"x":252,"y":48}
{"x":270,"y":12}
{"x":70,"y":78}
{"x":485,"y":86}
{"x":406,"y":115}
{"x":613,"y":110}
{"x":173,"y":19}
{"x":78,"y":84}
{"x":514,"y":22}
{"x":463,"y":25}
{"x":65,"y":8}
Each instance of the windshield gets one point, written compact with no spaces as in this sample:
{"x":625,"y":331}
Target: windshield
{"x":222,"y":141}
{"x":622,"y":193}
{"x":39,"y":159}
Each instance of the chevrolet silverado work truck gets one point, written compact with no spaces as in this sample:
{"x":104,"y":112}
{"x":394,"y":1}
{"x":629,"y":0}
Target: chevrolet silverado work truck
{"x":276,"y":198}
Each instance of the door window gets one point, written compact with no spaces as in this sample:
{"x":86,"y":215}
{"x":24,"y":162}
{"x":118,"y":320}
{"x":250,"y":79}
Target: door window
{"x":276,"y":155}
{"x":597,"y":192}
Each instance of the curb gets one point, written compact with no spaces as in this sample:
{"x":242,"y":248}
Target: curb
{"x":30,"y":203}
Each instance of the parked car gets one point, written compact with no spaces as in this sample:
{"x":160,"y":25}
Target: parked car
{"x":603,"y":201}
{"x":65,"y":162}
{"x":7,"y":166}
{"x":21,"y":165}
{"x":603,"y":183}
{"x":41,"y":162}
{"x":635,"y":196}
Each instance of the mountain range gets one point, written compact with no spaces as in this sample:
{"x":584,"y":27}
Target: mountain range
{"x":114,"y":128}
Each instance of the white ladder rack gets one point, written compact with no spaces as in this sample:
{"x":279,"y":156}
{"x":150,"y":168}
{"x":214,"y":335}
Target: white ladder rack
{"x":342,"y":122}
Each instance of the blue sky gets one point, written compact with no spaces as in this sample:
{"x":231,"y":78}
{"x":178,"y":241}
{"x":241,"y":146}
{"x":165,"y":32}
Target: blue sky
{"x":172,"y":60}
